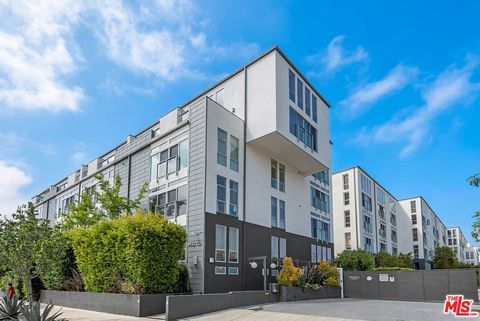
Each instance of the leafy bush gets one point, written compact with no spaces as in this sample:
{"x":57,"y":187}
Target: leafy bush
{"x":444,"y":258}
{"x":54,"y":260}
{"x":356,"y":260}
{"x":392,"y":268}
{"x":289,"y":275}
{"x":143,"y":249}
{"x":316,"y":276}
{"x":384,"y":259}
{"x":182,"y":285}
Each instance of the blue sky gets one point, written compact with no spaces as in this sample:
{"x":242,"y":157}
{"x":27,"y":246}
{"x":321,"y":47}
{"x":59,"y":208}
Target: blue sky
{"x":403,"y":79}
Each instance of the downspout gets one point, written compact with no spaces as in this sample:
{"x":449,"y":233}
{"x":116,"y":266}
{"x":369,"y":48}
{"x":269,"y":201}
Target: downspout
{"x":244,"y":225}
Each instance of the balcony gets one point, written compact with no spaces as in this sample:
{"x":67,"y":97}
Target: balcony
{"x":283,"y":149}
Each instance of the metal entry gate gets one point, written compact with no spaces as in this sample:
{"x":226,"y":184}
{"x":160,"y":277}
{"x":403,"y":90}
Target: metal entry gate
{"x":423,"y":285}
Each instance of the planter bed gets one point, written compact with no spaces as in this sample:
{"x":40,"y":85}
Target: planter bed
{"x":138,"y":305}
{"x":289,"y":294}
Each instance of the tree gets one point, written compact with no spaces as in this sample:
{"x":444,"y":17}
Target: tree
{"x":383,"y":259}
{"x":81,"y":214}
{"x":356,"y":260}
{"x":112,"y":202}
{"x":23,"y":245}
{"x":474,"y":180}
{"x":444,"y":258}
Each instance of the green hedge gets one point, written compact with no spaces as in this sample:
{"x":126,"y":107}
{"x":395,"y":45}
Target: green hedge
{"x":141,"y":251}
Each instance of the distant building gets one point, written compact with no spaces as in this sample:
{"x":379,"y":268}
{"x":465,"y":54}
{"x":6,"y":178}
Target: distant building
{"x":457,"y":242}
{"x":472,"y":256}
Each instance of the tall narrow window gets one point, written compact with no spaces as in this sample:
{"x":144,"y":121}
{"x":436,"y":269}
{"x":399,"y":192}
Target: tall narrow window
{"x":154,"y":160}
{"x":162,"y":167}
{"x":307,"y":101}
{"x":283,"y":248}
{"x":274,"y":169}
{"x":234,"y":153}
{"x":233,"y":245}
{"x":281,"y":176}
{"x":345,"y":181}
{"x":281,"y":206}
{"x":182,"y":199}
{"x":172,"y":160}
{"x":275,"y":247}
{"x":348,"y":241}
{"x":314,"y":108}
{"x":222,"y":147}
{"x":414,"y":219}
{"x":415,"y":234}
{"x":233,"y":198}
{"x":347,"y":218}
{"x":346,"y":198}
{"x":221,"y":194}
{"x":274,"y":210}
{"x":220,"y":243}
{"x":183,"y":154}
{"x":415,"y":251}
{"x":313,"y":251}
{"x":172,"y":203}
{"x":300,"y":93}
{"x":413,"y":206}
{"x":291,"y":85}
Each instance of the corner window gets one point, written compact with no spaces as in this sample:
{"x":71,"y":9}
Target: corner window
{"x":314,"y":109}
{"x":302,"y":130}
{"x":307,"y":101}
{"x":220,"y":243}
{"x":221,"y":194}
{"x":221,"y":147}
{"x":234,"y":153}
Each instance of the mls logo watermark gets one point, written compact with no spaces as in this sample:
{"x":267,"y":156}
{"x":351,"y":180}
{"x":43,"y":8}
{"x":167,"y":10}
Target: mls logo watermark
{"x":459,"y":306}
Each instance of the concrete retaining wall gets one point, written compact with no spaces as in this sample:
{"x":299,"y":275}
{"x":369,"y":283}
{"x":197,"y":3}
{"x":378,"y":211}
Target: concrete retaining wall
{"x":423,"y":285}
{"x":289,"y":294}
{"x":138,"y":305}
{"x":183,"y":306}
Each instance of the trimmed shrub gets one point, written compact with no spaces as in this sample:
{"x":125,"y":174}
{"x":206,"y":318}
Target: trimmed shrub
{"x":289,"y":275}
{"x":392,"y":268}
{"x":356,"y":260}
{"x":141,"y":250}
{"x":53,"y":258}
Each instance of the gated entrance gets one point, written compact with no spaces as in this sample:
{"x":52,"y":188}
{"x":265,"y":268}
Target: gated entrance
{"x":423,"y":285}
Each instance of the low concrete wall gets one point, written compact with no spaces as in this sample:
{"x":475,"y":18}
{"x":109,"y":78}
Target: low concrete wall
{"x":289,"y":294}
{"x":184,"y":306}
{"x":138,"y":305}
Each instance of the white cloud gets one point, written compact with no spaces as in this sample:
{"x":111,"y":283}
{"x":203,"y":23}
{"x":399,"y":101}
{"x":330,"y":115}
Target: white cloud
{"x":11,"y":184}
{"x":36,"y":56}
{"x":368,"y":94}
{"x":335,"y":56}
{"x":451,"y":88}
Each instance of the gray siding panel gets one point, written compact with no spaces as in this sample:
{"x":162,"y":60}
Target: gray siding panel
{"x":196,"y":195}
{"x":140,"y":174}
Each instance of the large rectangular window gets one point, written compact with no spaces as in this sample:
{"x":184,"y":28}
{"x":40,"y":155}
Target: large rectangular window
{"x":367,"y":202}
{"x":291,"y":85}
{"x":320,"y":230}
{"x":279,"y":247}
{"x":274,"y":211}
{"x":233,"y":245}
{"x":303,"y":130}
{"x":233,"y":208}
{"x":314,"y":108}
{"x":281,"y":206}
{"x":307,"y":101}
{"x":319,"y":200}
{"x":347,"y":218}
{"x":234,"y":153}
{"x":367,"y":224}
{"x":299,"y":93}
{"x":220,"y":243}
{"x":221,"y":194}
{"x":222,"y":147}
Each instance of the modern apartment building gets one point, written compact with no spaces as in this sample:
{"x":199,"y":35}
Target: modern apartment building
{"x":426,"y":230}
{"x":243,"y":167}
{"x":457,"y":241}
{"x":366,"y":215}
{"x":472,"y":255}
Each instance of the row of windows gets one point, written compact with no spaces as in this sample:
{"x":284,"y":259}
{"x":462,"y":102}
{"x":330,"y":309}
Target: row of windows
{"x":320,"y":230}
{"x":320,"y":253}
{"x":303,"y":130}
{"x":277,"y":175}
{"x":169,"y":161}
{"x":309,"y":99}
{"x":222,"y":143}
{"x":319,"y":200}
{"x":222,"y":196}
{"x":323,"y":177}
{"x":171,"y":203}
{"x":278,"y":212}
